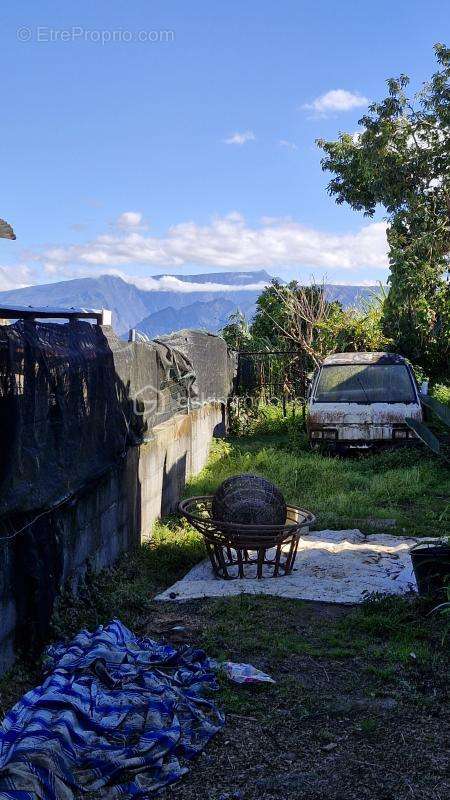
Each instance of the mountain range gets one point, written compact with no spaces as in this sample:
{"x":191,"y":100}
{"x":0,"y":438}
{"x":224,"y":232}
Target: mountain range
{"x":160,"y":311}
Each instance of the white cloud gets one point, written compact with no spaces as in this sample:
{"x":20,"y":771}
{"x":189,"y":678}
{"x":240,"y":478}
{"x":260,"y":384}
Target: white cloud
{"x":230,"y":243}
{"x":368,"y":283}
{"x":289,"y":145}
{"x":15,"y":277}
{"x":168,"y":283}
{"x":336,"y":100}
{"x":241,"y":138}
{"x":129,"y":219}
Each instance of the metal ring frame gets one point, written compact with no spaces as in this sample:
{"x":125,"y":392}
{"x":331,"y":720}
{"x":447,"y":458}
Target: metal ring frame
{"x":235,"y":550}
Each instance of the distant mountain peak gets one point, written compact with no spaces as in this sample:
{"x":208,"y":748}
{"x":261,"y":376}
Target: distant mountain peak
{"x":162,"y":311}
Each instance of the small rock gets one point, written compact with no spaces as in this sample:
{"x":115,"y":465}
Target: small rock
{"x":330,"y":746}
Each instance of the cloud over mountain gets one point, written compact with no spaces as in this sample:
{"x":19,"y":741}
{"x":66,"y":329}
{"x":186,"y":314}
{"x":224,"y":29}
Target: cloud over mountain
{"x":226,"y":242}
{"x":14,"y":277}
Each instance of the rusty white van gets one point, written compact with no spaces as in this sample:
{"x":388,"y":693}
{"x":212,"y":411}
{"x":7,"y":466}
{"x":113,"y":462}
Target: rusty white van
{"x":362,"y":400}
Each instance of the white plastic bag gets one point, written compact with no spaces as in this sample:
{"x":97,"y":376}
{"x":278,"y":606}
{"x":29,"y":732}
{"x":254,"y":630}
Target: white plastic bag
{"x":243,"y":673}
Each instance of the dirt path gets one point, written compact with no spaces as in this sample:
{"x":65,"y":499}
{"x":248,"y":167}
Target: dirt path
{"x":359,"y":708}
{"x":358,"y":711}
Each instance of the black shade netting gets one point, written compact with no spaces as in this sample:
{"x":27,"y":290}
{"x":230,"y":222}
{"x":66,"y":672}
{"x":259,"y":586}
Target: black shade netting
{"x":73,"y":397}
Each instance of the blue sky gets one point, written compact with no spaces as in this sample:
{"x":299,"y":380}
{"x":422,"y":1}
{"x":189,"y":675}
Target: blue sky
{"x":182,"y":142}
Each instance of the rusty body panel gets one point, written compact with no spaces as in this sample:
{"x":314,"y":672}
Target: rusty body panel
{"x":364,"y":358}
{"x":361,"y":424}
{"x":354,"y":422}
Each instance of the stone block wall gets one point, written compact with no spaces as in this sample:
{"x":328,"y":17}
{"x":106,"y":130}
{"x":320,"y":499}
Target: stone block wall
{"x":92,"y":528}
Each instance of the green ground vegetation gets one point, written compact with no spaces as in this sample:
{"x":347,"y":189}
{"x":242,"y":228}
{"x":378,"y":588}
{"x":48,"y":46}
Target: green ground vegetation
{"x":409,"y":488}
{"x":348,"y":679}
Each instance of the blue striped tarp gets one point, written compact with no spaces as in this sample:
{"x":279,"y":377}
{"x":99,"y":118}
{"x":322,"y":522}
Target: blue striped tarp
{"x":117,"y":717}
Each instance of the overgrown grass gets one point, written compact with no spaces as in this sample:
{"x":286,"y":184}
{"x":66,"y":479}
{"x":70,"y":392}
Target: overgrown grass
{"x":267,"y":420}
{"x":442,"y":393}
{"x":407,"y":486}
{"x":401,"y":485}
{"x":127,"y":589}
{"x":404,"y":485}
{"x":389,"y":641}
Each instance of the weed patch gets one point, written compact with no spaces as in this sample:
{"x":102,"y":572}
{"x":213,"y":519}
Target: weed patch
{"x":399,"y":485}
{"x":339,"y":671}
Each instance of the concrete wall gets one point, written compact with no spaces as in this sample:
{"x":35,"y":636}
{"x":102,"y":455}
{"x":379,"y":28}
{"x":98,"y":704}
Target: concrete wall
{"x":94,"y":527}
{"x":179,"y":449}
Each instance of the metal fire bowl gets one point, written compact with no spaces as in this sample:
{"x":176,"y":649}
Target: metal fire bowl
{"x":247,"y":551}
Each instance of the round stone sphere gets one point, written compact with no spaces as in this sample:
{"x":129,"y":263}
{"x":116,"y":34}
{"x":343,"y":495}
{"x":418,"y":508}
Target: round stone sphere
{"x":249,"y":500}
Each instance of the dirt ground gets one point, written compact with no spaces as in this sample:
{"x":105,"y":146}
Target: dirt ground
{"x":358,"y":709}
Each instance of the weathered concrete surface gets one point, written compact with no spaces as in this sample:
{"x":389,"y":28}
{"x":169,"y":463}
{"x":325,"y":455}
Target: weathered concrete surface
{"x":331,"y":566}
{"x":179,"y":448}
{"x":92,"y":529}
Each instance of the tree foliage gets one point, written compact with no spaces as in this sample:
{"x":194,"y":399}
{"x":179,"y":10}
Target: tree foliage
{"x":401,"y":160}
{"x":295,"y":315}
{"x":237,"y":331}
{"x":294,"y":328}
{"x":239,"y":334}
{"x":300,"y":318}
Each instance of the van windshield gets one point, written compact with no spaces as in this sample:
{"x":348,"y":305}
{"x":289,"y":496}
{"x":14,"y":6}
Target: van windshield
{"x":365,"y":383}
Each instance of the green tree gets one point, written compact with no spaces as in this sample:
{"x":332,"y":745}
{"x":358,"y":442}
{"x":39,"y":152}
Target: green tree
{"x":237,"y":331}
{"x":360,"y":329}
{"x":297,"y":320}
{"x":401,"y":160}
{"x":294,"y":317}
{"x":239,"y":334}
{"x":271,"y":315}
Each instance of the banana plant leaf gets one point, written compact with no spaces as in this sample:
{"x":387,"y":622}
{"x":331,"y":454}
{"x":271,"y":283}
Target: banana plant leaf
{"x":424,"y":433}
{"x":441,"y":411}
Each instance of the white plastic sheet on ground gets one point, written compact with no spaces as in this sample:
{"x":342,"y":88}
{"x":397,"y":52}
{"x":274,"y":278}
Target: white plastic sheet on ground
{"x":331,"y":566}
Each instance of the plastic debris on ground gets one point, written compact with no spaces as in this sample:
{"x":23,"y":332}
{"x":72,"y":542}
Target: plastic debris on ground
{"x":243,"y":673}
{"x":116,"y":717}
